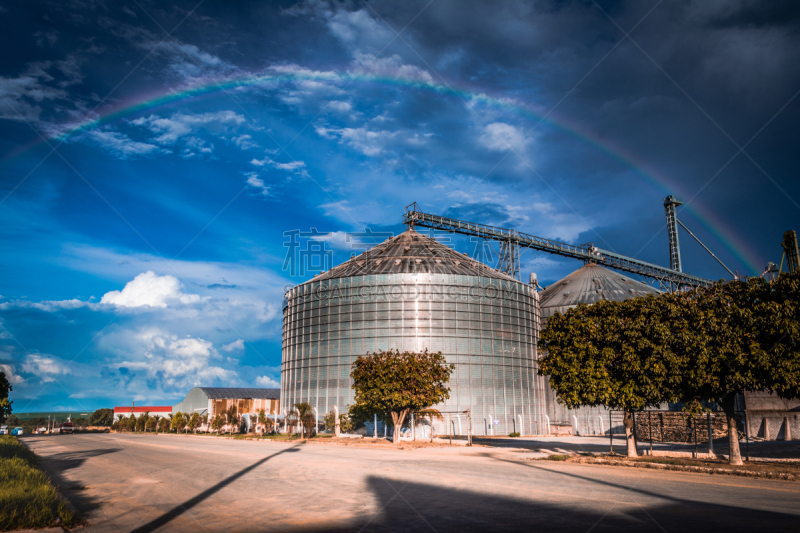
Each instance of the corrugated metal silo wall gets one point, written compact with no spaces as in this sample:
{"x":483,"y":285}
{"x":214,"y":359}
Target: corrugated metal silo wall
{"x":487,"y":327}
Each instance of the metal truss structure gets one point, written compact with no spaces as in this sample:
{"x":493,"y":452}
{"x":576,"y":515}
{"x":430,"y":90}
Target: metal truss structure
{"x":670,"y":203}
{"x":511,"y":241}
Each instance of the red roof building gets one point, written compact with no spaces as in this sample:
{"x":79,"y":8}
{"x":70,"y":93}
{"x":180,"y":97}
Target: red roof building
{"x":141,"y":409}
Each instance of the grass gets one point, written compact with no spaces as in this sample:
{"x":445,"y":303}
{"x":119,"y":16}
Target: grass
{"x":27,"y":498}
{"x":557,"y":457}
{"x":661,"y":460}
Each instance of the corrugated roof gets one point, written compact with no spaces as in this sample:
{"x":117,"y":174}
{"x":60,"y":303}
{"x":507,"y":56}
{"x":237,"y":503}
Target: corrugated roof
{"x":217,"y":393}
{"x":411,"y":253}
{"x":589,"y":284}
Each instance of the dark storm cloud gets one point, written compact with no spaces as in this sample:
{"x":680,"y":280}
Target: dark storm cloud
{"x":448,"y":114}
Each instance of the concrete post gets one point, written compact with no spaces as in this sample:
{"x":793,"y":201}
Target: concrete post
{"x":787,"y":432}
{"x":413,"y":428}
{"x":602,"y":431}
{"x":547,"y":422}
{"x":459,"y":425}
{"x":336,"y":429}
{"x":285,"y":422}
{"x":575,"y":419}
{"x":520,"y":425}
{"x":710,"y":434}
{"x":375,"y":427}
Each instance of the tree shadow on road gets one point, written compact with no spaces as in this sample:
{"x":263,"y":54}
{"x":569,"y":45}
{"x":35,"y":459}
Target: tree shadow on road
{"x":426,"y":507}
{"x":57,"y":464}
{"x":182,"y":508}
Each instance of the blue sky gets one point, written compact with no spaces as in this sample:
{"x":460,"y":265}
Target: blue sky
{"x":154,"y":157}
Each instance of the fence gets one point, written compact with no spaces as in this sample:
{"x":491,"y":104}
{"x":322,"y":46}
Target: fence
{"x":675,"y":426}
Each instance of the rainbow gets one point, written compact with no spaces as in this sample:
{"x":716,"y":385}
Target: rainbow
{"x":152,"y":102}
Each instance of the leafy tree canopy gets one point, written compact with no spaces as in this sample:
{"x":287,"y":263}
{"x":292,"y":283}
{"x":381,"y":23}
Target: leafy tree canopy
{"x":616,"y":354}
{"x":612,"y":353}
{"x":742,"y":336}
{"x":102,"y":417}
{"x":390,"y":384}
{"x":5,"y":403}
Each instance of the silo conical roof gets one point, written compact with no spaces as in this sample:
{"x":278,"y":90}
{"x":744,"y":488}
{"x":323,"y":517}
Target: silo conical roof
{"x":587,"y":285}
{"x":412,"y":253}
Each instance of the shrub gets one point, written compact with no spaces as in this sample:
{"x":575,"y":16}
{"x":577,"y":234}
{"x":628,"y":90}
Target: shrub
{"x":514,"y":434}
{"x":557,"y":457}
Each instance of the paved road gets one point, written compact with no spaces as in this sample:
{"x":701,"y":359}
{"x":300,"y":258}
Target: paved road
{"x":175,"y":483}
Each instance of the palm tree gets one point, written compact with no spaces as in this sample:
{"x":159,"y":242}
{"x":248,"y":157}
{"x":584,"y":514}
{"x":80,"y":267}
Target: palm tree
{"x":156,"y":419}
{"x":305,"y":415}
{"x":145,"y":418}
{"x":264,"y":420}
{"x":233,"y":418}
{"x":205,"y":420}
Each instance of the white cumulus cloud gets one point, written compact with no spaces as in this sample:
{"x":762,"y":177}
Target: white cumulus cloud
{"x":257,"y":183}
{"x":268,"y":382}
{"x":501,"y":136}
{"x":148,"y":288}
{"x":179,"y":362}
{"x":11,"y":375}
{"x":170,"y":130}
{"x":44,"y":367}
{"x":120,"y":145}
{"x":235,"y":346}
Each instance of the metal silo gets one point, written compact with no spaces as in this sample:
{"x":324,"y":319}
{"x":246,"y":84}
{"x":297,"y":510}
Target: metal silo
{"x":412,"y":293}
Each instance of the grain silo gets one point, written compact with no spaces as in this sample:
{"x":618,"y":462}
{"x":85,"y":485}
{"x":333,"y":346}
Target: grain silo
{"x":413,"y":293}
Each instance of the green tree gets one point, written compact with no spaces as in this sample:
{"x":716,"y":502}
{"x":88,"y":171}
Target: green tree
{"x":144,"y":421}
{"x":13,"y":421}
{"x":156,"y":422}
{"x":740,"y":336}
{"x":102,"y":417}
{"x":194,"y":421}
{"x":217,"y":423}
{"x":5,"y":403}
{"x":163,"y":425}
{"x":615,"y":354}
{"x":178,"y":422}
{"x":205,"y":420}
{"x":392,"y":384}
{"x":303,"y":413}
